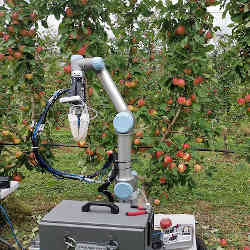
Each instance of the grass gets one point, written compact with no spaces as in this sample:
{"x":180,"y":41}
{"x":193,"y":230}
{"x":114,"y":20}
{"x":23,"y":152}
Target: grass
{"x":221,"y":203}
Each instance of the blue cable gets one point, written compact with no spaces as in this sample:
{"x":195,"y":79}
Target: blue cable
{"x":4,"y":212}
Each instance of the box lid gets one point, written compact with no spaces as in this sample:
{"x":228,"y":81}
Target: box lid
{"x":69,"y":212}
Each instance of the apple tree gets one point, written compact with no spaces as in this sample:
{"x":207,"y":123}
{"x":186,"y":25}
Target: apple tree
{"x":22,"y":84}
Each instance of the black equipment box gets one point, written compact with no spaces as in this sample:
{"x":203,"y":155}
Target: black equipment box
{"x":83,"y":225}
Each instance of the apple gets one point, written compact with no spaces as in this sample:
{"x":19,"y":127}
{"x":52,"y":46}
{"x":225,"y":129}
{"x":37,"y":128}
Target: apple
{"x":200,"y":79}
{"x":16,"y":140}
{"x":187,"y":71}
{"x":139,"y":134}
{"x":167,"y":159}
{"x":18,"y":55}
{"x":24,"y":32}
{"x":181,"y":83}
{"x":19,"y":154}
{"x":208,"y":35}
{"x":11,"y":29}
{"x":2,"y":57}
{"x":186,"y":157}
{"x":68,"y":12}
{"x":169,"y":143}
{"x":82,"y":50}
{"x":158,"y":154}
{"x":172,"y":165}
{"x":15,"y":15}
{"x":186,"y":146}
{"x":152,"y":112}
{"x":157,"y":132}
{"x":209,"y":112}
{"x":180,"y":154}
{"x":137,"y":141}
{"x":170,"y":101}
{"x":247,"y":98}
{"x":175,"y":81}
{"x":67,"y":69}
{"x":90,"y":92}
{"x":199,"y":140}
{"x":21,"y":48}
{"x":197,"y":168}
{"x":6,"y":37}
{"x":246,"y":248}
{"x":81,"y":143}
{"x":131,"y":108}
{"x":223,"y":242}
{"x":39,"y":49}
{"x":193,"y":97}
{"x":181,"y":168}
{"x":163,"y":180}
{"x":241,"y":101}
{"x":181,"y":100}
{"x":5,"y":132}
{"x":180,"y":30}
{"x":89,"y":152}
{"x":141,"y":102}
{"x":109,"y":152}
{"x":188,"y":102}
{"x":28,"y":76}
{"x":157,"y":202}
{"x":17,"y":178}
{"x":165,"y":223}
{"x":84,"y":2}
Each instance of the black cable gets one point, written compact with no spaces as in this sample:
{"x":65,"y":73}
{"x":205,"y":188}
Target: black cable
{"x":104,"y":187}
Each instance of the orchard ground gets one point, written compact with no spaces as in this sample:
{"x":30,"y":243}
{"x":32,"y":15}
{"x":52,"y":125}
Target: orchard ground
{"x":221,"y":204}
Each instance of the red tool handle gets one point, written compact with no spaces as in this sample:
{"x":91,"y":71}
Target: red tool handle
{"x":136,"y":213}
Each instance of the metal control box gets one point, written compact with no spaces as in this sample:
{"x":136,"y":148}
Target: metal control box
{"x":67,"y":227}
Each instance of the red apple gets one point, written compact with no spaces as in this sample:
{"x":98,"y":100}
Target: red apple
{"x":137,"y":141}
{"x":165,"y":223}
{"x":2,"y":57}
{"x":69,"y":12}
{"x":186,"y":157}
{"x":247,"y":98}
{"x":170,"y":101}
{"x":109,"y":152}
{"x":81,"y":143}
{"x":181,"y":100}
{"x":6,"y":37}
{"x":163,"y":180}
{"x":180,"y":30}
{"x":67,"y":69}
{"x":167,"y":159}
{"x":181,"y":83}
{"x":186,"y":146}
{"x":197,"y":168}
{"x":180,"y":154}
{"x":241,"y":101}
{"x":223,"y":242}
{"x":84,"y":2}
{"x":181,"y":168}
{"x":175,"y":81}
{"x":141,"y":102}
{"x":158,"y":154}
{"x":139,"y":134}
{"x":188,"y":102}
{"x":172,"y":165}
{"x":39,"y":49}
{"x":208,"y":35}
{"x":15,"y":15}
{"x":17,"y":55}
{"x":152,"y":111}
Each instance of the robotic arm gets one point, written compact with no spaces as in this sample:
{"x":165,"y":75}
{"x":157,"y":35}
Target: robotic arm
{"x":126,"y":184}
